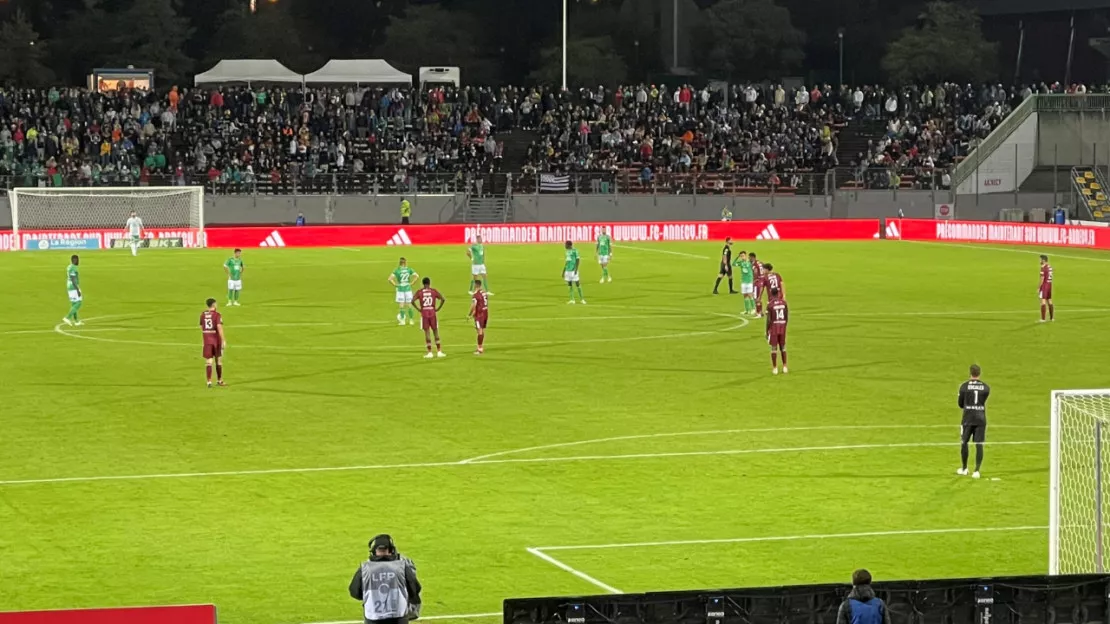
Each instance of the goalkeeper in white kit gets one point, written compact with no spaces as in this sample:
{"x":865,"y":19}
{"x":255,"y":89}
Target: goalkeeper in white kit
{"x":134,"y":230}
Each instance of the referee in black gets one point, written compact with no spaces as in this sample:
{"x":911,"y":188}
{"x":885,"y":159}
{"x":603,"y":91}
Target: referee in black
{"x":973,"y":427}
{"x":726,"y":267}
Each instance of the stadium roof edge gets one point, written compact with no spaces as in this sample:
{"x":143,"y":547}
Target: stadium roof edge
{"x":1022,"y":7}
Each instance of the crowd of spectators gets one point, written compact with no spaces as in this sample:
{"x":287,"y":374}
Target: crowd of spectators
{"x":352,"y":139}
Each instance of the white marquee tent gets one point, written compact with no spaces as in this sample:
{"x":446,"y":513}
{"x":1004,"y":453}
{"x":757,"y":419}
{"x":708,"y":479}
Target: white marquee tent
{"x":248,"y":71}
{"x":366,"y":71}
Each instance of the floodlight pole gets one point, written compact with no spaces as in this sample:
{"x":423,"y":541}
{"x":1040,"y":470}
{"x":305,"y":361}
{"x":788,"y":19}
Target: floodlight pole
{"x":564,"y":45}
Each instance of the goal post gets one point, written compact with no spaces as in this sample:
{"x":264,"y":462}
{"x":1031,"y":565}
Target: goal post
{"x":83,"y":208}
{"x":1079,"y":458}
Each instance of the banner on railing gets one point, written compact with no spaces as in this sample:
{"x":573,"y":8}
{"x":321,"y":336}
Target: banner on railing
{"x":190,"y":614}
{"x":1004,"y":233}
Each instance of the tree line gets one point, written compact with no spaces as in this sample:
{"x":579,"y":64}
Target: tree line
{"x":495,"y":42}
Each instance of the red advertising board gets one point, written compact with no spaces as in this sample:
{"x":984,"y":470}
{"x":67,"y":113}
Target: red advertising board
{"x":517,"y":233}
{"x":190,"y":614}
{"x":446,"y":234}
{"x":1005,"y":233}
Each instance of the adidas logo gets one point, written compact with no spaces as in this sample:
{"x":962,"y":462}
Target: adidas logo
{"x":768,"y":233}
{"x":892,"y":231}
{"x":273,"y":240}
{"x":400,"y":238}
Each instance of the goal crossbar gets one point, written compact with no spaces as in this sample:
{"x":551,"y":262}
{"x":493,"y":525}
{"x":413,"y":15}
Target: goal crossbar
{"x":79,"y":208}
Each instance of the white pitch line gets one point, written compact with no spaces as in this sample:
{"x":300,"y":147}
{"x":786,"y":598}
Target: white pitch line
{"x":985,"y":247}
{"x":582,"y":575}
{"x":664,"y":251}
{"x":465,"y":616}
{"x":645,"y":436}
{"x":792,"y":538}
{"x":804,"y":314}
{"x":511,"y":460}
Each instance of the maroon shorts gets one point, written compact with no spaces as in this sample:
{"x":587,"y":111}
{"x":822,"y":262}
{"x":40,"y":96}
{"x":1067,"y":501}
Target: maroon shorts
{"x":480,"y":320}
{"x":428,"y":321}
{"x":777,"y":339}
{"x":212,"y":350}
{"x":1046,"y":291}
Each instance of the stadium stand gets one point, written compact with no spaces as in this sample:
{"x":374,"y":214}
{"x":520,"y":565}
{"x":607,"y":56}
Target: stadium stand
{"x":644,"y":138}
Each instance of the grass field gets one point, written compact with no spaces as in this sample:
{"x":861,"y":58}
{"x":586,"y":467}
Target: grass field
{"x":599,"y":434}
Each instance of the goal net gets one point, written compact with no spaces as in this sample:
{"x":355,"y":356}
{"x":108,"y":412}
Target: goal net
{"x":1079,"y":466}
{"x":108,"y":207}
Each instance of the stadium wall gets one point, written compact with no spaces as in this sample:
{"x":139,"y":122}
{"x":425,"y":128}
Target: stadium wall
{"x":1068,"y":139}
{"x":1007,"y":167}
{"x":429,"y":209}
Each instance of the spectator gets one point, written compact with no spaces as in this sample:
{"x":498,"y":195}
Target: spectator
{"x":300,"y":219}
{"x":862,"y":606}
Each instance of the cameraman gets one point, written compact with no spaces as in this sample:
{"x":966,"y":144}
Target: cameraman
{"x":386,"y":585}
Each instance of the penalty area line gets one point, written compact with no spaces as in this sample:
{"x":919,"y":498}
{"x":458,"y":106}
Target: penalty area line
{"x":538,"y":552}
{"x":664,"y":251}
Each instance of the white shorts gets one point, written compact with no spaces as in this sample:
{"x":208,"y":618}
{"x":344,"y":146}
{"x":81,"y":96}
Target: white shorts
{"x":570,"y":276}
{"x":235,"y":284}
{"x":73,"y":296}
{"x":477,"y":269}
{"x":747,"y":289}
{"x":403,"y":296}
{"x":603,"y":259}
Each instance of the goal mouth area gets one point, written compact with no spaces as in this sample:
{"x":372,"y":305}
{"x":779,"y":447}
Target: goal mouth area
{"x":1079,"y":458}
{"x":78,"y":209}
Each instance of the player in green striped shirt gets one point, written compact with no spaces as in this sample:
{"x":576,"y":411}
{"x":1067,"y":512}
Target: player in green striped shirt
{"x":570,"y":272}
{"x":604,"y":253}
{"x":402,"y":278}
{"x":478,"y":277}
{"x":234,"y":269}
{"x":73,"y":288}
{"x":747,"y":278}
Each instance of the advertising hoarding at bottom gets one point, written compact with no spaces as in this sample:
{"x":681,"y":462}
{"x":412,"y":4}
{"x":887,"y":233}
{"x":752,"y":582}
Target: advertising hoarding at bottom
{"x":185,"y":614}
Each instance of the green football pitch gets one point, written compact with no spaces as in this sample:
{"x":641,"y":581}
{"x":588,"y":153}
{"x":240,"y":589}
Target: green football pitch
{"x":636,"y":443}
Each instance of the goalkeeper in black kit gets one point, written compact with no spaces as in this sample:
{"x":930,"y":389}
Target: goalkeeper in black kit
{"x":973,"y":427}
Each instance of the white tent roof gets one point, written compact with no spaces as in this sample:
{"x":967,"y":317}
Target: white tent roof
{"x":244,"y":70}
{"x":367,"y":71}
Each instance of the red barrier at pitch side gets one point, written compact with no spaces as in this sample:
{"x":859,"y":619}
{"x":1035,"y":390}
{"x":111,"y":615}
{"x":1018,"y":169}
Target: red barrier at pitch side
{"x":453,"y":234}
{"x":1004,"y":233}
{"x":191,"y":614}
{"x":514,"y":233}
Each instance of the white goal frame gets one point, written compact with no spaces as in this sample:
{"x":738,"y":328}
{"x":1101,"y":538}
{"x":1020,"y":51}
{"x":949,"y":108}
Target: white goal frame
{"x":1064,"y":522}
{"x":194,"y":220}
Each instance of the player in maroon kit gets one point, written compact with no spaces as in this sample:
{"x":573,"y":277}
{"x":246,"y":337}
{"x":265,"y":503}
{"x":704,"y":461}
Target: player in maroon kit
{"x":757,"y":279}
{"x":429,"y":302}
{"x":777,"y":317}
{"x":212,"y":328}
{"x":773,"y":280}
{"x":479,"y":311}
{"x":1045,"y":291}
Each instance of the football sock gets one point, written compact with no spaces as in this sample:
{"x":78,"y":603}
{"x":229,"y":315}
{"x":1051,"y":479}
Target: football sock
{"x":580,"y":295}
{"x":604,"y":271}
{"x":73,"y":308}
{"x":570,"y":290}
{"x":237,"y":294}
{"x":231,"y":295}
{"x":412,"y":312}
{"x":730,"y":288}
{"x":749,"y":305}
{"x":134,"y":250}
{"x":219,"y":372}
{"x":784,"y":358}
{"x":978,"y":455}
{"x":1043,"y":308}
{"x":758,"y":307}
{"x":1051,"y":312}
{"x":774,"y":359}
{"x":963,"y":454}
{"x":716,"y":284}
{"x":481,"y":339}
{"x":439,"y":347}
{"x":429,"y":344}
{"x":208,"y":372}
